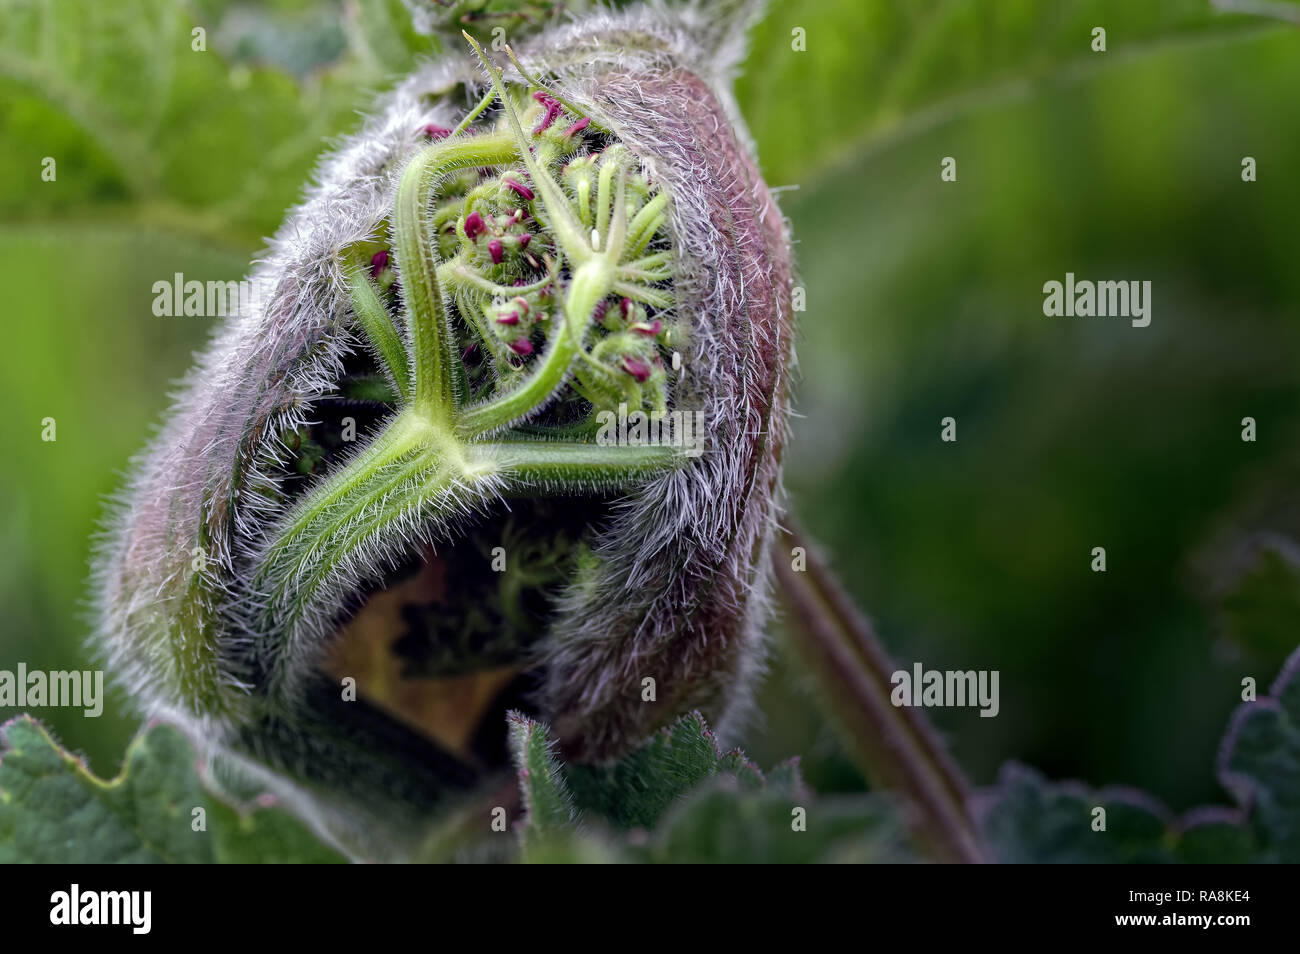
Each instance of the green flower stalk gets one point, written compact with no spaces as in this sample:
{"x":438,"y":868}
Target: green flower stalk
{"x":390,"y":504}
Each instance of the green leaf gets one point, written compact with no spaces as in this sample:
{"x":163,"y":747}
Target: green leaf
{"x":787,"y":778}
{"x":1029,"y":819}
{"x":1216,"y":836}
{"x":701,"y":804}
{"x":747,"y":773}
{"x":1032,"y":820}
{"x":264,"y":834}
{"x":924,"y":300}
{"x":385,"y":37}
{"x":635,"y":790}
{"x":52,"y":810}
{"x":547,"y":800}
{"x":917,"y":63}
{"x":69,"y":369}
{"x":724,"y":822}
{"x":142,"y":126}
{"x":482,"y":17}
{"x":574,"y":847}
{"x":1260,"y":606}
{"x":1261,"y":763}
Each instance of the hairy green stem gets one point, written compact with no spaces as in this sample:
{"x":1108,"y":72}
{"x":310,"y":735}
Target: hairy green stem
{"x":647,"y":221}
{"x":417,"y":262}
{"x":568,"y":232}
{"x":380,"y":330}
{"x":547,"y":464}
{"x":591,"y":283}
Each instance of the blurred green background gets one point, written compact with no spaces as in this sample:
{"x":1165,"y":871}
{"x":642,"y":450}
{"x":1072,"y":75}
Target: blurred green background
{"x":924,"y":300}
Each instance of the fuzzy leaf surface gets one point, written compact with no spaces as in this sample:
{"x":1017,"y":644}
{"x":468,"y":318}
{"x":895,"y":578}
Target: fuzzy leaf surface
{"x":53,"y":811}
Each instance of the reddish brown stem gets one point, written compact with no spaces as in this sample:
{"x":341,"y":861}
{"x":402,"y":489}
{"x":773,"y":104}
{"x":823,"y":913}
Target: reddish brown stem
{"x":896,"y":746}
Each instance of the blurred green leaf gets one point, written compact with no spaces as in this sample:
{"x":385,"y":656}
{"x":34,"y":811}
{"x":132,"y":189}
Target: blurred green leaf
{"x":547,"y":801}
{"x":723,"y":822}
{"x":874,"y":72}
{"x":52,"y":810}
{"x":1261,"y":764}
{"x":86,"y":350}
{"x":143,"y":125}
{"x":678,"y":798}
{"x":925,"y":301}
{"x":1261,"y":607}
{"x":386,"y":39}
{"x":481,"y":18}
{"x":1027,"y":819}
{"x":574,"y":846}
{"x":1030,"y":820}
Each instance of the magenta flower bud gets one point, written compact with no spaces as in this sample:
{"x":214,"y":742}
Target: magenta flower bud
{"x":436,"y":132}
{"x":496,"y":250}
{"x":525,"y":239}
{"x":510,"y":318}
{"x":521,"y":346}
{"x":474,"y":226}
{"x":648,"y":328}
{"x":378,"y":262}
{"x":552,"y":110}
{"x":637,"y":368}
{"x":523,"y":190}
{"x":578,"y":127}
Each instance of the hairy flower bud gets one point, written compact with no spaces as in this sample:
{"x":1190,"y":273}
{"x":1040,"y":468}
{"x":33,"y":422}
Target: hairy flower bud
{"x":593,"y":236}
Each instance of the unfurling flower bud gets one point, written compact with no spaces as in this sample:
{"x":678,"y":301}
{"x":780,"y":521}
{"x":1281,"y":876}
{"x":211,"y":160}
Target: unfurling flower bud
{"x":381,"y":512}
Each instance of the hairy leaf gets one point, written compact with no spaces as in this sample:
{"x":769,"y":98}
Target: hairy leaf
{"x":1032,"y":820}
{"x":541,"y":777}
{"x":1029,"y":819}
{"x":635,"y":790}
{"x":722,"y":822}
{"x":52,"y":810}
{"x":700,"y":805}
{"x":1260,"y":764}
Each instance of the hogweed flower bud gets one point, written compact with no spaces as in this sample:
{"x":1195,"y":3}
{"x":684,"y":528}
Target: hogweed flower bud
{"x":473,"y":546}
{"x":577,"y":127}
{"x":474,"y":225}
{"x":523,"y":190}
{"x":636,"y":367}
